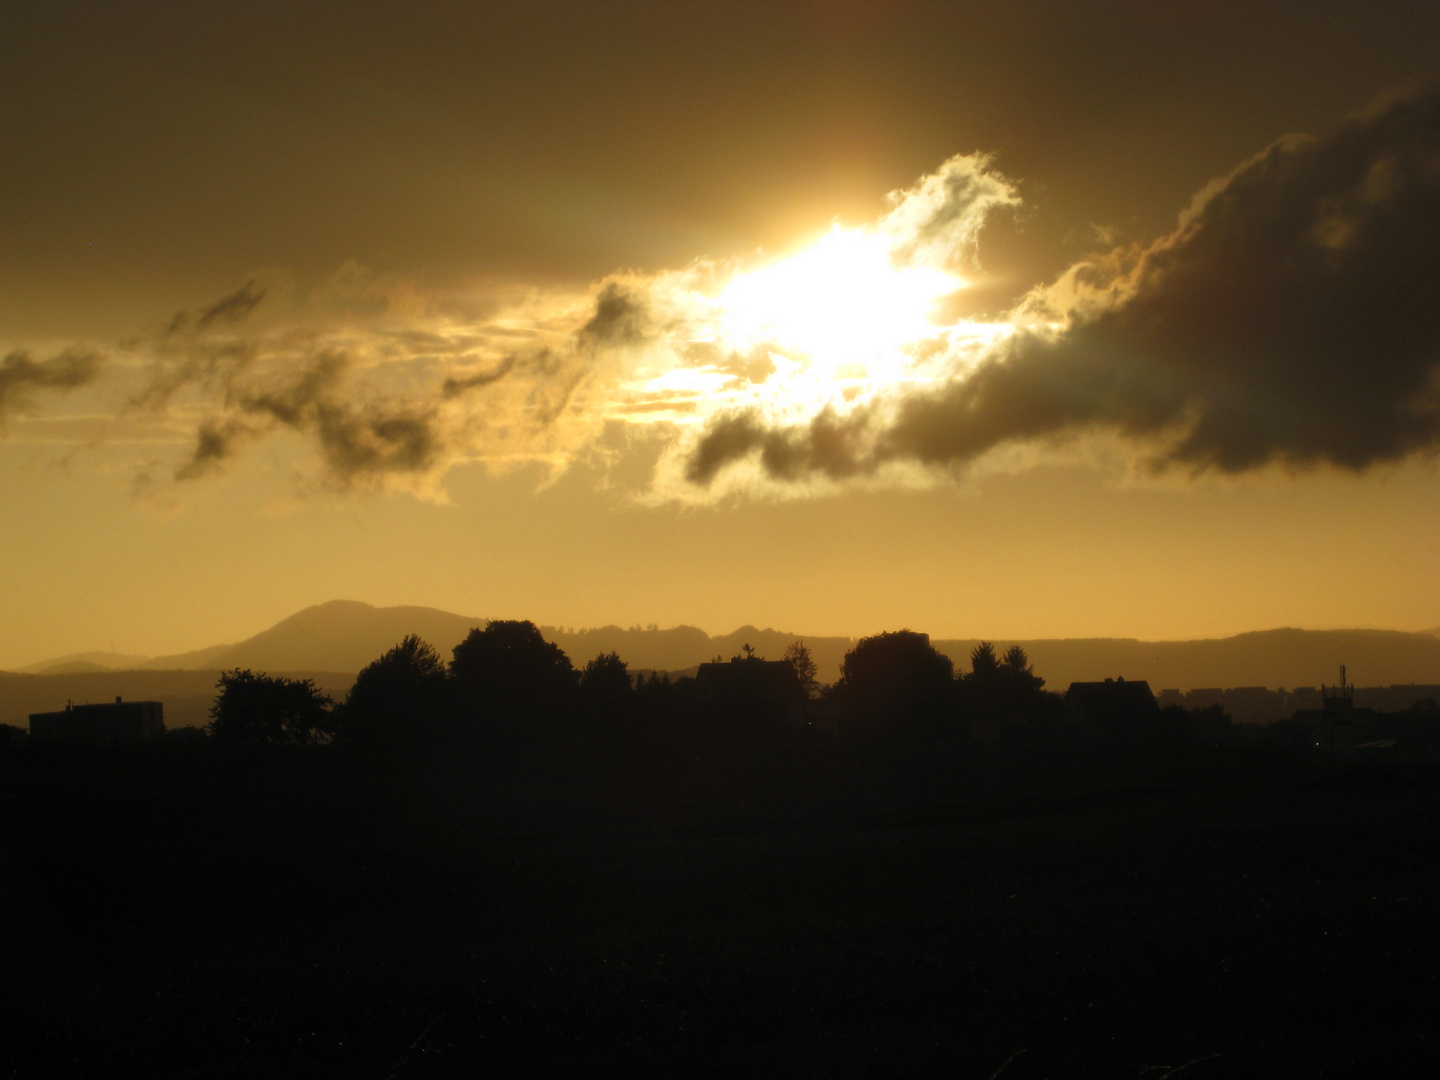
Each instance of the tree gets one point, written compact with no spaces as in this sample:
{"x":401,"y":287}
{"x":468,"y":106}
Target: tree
{"x":896,"y":683}
{"x":399,"y":697}
{"x":1018,"y":671}
{"x":984,"y":666}
{"x":797,"y":655}
{"x":260,"y":708}
{"x":605,"y":691}
{"x":999,"y":693}
{"x":510,"y":673}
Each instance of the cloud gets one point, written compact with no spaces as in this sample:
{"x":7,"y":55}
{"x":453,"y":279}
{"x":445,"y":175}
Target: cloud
{"x":383,"y":398}
{"x":456,"y":385}
{"x":830,"y":444}
{"x":937,"y":222}
{"x":232,"y":310}
{"x":20,"y":376}
{"x":360,"y":442}
{"x":1292,"y":317}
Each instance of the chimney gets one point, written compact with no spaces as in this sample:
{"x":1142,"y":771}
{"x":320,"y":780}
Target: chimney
{"x":117,"y":699}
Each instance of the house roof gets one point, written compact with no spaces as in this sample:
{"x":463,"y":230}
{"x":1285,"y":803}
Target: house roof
{"x":1113,"y":695}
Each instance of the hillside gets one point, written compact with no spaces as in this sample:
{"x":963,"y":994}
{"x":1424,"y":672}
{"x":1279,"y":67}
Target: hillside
{"x":1274,"y":658}
{"x":341,"y":637}
{"x":86,"y":661}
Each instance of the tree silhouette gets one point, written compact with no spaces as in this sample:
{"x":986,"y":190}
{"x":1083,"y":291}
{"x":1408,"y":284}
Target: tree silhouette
{"x":396,"y":699}
{"x":1018,"y":671}
{"x":259,"y":708}
{"x":605,"y":691}
{"x":797,"y":655}
{"x":1003,"y":700}
{"x":509,"y":673}
{"x":896,"y":683}
{"x":984,"y":665}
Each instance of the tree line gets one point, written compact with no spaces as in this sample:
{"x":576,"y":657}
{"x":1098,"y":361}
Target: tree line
{"x":506,"y":687}
{"x":507,"y":694}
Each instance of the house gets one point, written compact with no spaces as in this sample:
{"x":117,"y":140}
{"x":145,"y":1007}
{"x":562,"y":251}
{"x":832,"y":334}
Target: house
{"x":100,"y":725}
{"x":1114,"y":707}
{"x":752,"y":689}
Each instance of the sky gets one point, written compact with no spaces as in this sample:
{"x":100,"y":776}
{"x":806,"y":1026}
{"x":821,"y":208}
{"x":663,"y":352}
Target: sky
{"x":1011,"y":320}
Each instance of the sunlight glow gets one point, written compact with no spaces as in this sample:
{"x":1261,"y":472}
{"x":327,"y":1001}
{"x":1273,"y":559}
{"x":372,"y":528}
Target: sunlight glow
{"x":842,"y":301}
{"x":835,"y":326}
{"x":687,"y":381}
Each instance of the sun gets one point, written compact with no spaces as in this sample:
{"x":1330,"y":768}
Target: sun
{"x":843,"y":303}
{"x":835,"y":325}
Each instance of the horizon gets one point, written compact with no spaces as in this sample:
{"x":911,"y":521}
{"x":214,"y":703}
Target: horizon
{"x":567,"y":628}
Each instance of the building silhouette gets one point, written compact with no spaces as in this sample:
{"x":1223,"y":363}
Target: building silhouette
{"x":1115,"y":706}
{"x":751,"y":688}
{"x":100,"y":725}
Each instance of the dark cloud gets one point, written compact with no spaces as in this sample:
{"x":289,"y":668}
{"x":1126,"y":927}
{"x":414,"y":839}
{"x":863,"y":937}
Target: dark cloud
{"x":258,"y":411}
{"x":457,"y":385}
{"x":1292,"y":317}
{"x":356,"y":442}
{"x":830,"y":444}
{"x":186,"y":354}
{"x":232,"y":309}
{"x":216,"y":441}
{"x":728,"y":438}
{"x":205,"y":363}
{"x":370,"y":443}
{"x":292,"y":404}
{"x":20,"y":375}
{"x":622,"y":317}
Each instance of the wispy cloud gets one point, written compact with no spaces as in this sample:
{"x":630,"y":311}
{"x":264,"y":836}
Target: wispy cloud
{"x":21,"y":376}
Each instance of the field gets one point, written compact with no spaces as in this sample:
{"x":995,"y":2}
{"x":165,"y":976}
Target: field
{"x":302,"y":915}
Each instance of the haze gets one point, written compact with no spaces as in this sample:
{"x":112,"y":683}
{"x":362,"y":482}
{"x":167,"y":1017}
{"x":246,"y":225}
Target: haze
{"x":1012,"y":322}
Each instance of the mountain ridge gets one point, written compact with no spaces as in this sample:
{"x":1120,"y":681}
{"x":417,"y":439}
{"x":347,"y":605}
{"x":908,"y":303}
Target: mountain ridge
{"x":342,"y":636}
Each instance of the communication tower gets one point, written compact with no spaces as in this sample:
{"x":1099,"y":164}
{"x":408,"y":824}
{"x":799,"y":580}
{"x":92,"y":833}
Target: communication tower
{"x":1339,"y":700}
{"x":1339,"y":704}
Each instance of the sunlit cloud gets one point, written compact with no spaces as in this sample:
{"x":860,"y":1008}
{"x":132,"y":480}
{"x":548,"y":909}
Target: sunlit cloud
{"x":842,"y":302}
{"x":1287,"y":318}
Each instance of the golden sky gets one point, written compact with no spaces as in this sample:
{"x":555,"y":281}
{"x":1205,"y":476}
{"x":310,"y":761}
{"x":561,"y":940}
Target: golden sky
{"x":997,"y":320}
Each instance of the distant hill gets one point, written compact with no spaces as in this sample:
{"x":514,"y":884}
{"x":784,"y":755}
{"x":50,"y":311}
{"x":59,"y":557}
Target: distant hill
{"x":1275,"y":658}
{"x":85,"y":661}
{"x":343,"y":636}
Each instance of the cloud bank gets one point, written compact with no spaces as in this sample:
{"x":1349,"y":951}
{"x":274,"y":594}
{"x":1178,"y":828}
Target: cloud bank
{"x":1292,"y":317}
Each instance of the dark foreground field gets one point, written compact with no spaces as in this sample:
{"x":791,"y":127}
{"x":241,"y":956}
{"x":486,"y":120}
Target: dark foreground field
{"x":306,"y":917}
